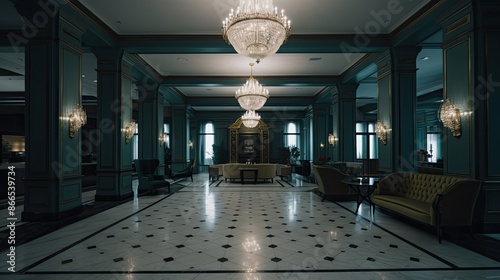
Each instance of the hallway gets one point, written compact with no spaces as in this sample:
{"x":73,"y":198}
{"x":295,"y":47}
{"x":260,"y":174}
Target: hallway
{"x":207,"y":232}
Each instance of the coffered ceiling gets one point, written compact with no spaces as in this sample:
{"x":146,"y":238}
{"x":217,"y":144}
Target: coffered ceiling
{"x":305,"y":67}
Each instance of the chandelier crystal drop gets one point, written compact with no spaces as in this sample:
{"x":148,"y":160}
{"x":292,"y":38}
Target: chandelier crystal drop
{"x":256,"y":29}
{"x":252,"y":96}
{"x":250,"y":119}
{"x":77,"y":119}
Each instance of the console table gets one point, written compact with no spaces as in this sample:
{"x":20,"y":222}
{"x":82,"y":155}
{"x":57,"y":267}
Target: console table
{"x":242,"y":174}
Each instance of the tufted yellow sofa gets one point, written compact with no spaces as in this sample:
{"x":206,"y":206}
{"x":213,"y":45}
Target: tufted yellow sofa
{"x":432,"y":199}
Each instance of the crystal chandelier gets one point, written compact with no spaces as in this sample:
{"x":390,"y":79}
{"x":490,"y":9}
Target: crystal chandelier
{"x":252,"y":96}
{"x":77,"y":119}
{"x":250,"y":119}
{"x":451,"y":118}
{"x":256,"y":29}
{"x":381,"y":132}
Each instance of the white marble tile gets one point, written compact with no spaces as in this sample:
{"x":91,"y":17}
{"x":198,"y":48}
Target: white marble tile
{"x":191,"y":227}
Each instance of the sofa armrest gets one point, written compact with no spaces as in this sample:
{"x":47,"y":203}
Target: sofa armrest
{"x":454,"y":206}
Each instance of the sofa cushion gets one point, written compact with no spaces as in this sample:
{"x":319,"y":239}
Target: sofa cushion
{"x":424,"y":187}
{"x":417,"y":210}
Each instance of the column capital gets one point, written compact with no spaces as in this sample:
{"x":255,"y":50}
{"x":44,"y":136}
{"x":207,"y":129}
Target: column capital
{"x":405,"y":58}
{"x":346,"y":91}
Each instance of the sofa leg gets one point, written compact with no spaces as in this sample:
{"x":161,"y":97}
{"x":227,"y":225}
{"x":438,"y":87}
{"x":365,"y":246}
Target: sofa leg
{"x":324,"y":196}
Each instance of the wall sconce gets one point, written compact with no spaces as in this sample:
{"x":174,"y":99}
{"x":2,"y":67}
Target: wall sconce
{"x":77,"y":119}
{"x":129,"y":131}
{"x":190,"y":144}
{"x":449,"y":115}
{"x":381,"y":131}
{"x":332,"y":140}
{"x":321,"y":145}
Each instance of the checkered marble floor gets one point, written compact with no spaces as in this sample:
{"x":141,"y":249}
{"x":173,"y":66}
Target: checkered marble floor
{"x":244,"y":234}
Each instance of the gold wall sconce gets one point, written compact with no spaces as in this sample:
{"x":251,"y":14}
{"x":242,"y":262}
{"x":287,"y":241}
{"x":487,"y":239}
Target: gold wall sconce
{"x":449,"y":115}
{"x":129,"y":131}
{"x":332,"y":140}
{"x":381,"y":131}
{"x":190,"y":144}
{"x":77,"y":119}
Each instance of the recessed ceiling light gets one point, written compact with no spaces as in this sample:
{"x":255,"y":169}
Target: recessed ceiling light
{"x":182,"y":59}
{"x":315,"y":58}
{"x":95,"y":81}
{"x":425,"y":58}
{"x":83,"y":76}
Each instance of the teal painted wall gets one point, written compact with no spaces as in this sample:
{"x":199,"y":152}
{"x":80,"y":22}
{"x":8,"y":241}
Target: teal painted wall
{"x":385,"y":116}
{"x":457,"y":87}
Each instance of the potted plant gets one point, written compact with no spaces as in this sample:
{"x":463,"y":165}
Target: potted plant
{"x":294,"y":153}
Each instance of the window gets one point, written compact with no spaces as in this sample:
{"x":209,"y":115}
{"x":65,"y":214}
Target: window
{"x":166,"y":132}
{"x":135,"y":142}
{"x":292,"y":135}
{"x":207,"y":140}
{"x":366,"y":141}
{"x":434,"y":142}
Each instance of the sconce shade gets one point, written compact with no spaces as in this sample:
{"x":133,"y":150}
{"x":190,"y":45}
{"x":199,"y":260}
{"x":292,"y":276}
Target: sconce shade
{"x":449,"y":115}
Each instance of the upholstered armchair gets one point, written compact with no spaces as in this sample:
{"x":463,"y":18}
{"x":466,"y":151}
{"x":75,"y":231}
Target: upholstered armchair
{"x":329,"y":181}
{"x":186,"y":172}
{"x":148,"y":181}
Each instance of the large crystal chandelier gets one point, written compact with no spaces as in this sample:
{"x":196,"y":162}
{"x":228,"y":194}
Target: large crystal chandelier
{"x":250,"y":119}
{"x":256,"y":29}
{"x":252,"y":96}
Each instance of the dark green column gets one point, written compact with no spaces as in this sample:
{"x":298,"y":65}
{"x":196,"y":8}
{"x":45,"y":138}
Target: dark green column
{"x":472,"y":83}
{"x":397,"y":98}
{"x":179,"y":137}
{"x":151,"y":125}
{"x":114,"y":114}
{"x":321,"y":123}
{"x":53,"y":159}
{"x":344,"y":122}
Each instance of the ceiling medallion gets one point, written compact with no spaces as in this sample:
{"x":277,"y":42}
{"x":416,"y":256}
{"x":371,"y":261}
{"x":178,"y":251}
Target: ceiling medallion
{"x":256,"y":30}
{"x":250,"y":119}
{"x":252,"y":96}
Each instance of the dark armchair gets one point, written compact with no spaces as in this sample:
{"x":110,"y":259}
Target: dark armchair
{"x":148,"y":181}
{"x":184,"y":173}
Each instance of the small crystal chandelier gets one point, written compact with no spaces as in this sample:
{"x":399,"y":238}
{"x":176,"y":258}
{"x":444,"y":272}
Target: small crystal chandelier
{"x":256,"y":29}
{"x":250,"y":119}
{"x":77,"y":119}
{"x":450,"y":116}
{"x":252,"y":96}
{"x":381,"y":131}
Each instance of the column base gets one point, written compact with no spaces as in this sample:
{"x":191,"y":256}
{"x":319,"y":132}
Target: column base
{"x":50,"y":217}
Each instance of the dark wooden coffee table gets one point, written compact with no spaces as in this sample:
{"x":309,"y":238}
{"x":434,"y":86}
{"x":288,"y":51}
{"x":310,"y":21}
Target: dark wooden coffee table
{"x":255,"y":174}
{"x":363,"y":187}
